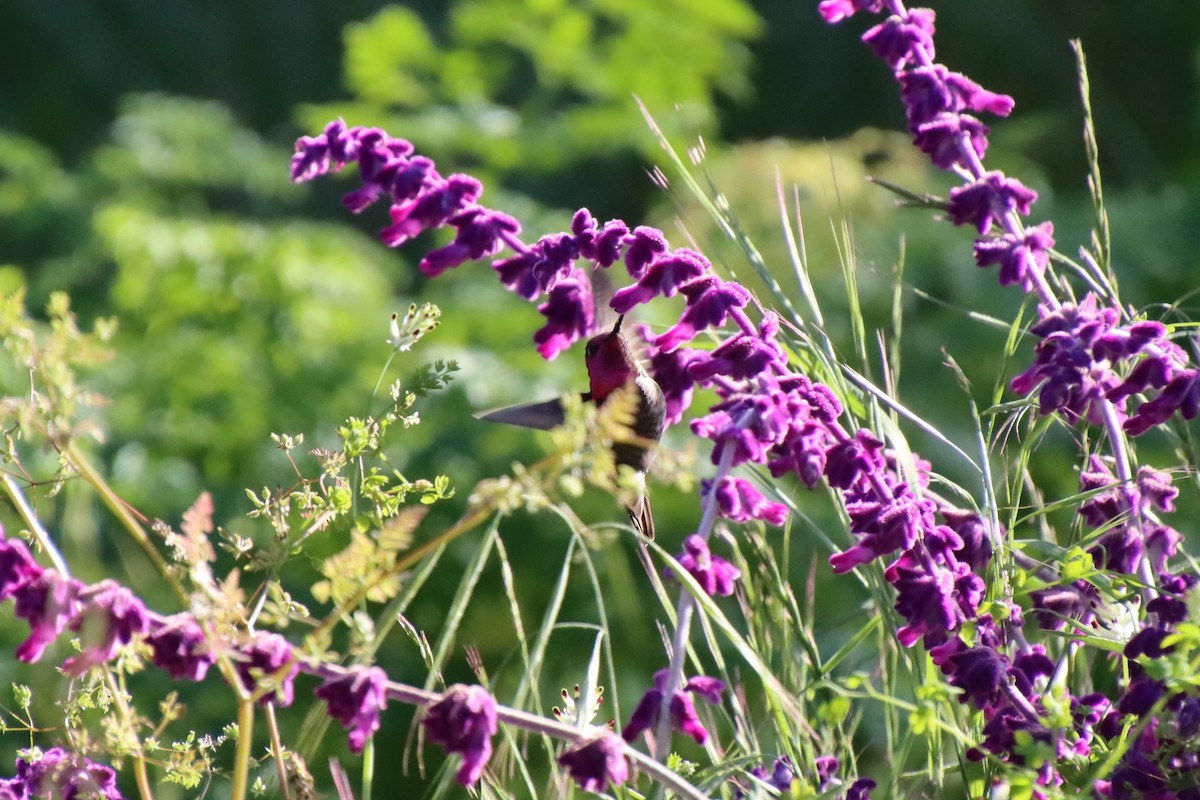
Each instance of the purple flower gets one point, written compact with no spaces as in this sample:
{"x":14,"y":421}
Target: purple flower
{"x":900,"y":41}
{"x":438,"y":201}
{"x":516,"y":274}
{"x":480,"y":233}
{"x":860,"y":789}
{"x":597,"y":761}
{"x":266,"y":655}
{"x":715,"y":575}
{"x":48,"y":603}
{"x":738,"y":500}
{"x":646,"y":245}
{"x":178,"y":647}
{"x":742,"y":356}
{"x":925,"y":598}
{"x":601,"y":246}
{"x":709,"y":301}
{"x":670,"y":372}
{"x":463,"y":721}
{"x":837,"y":10}
{"x":111,"y":617}
{"x":941,"y":138}
{"x":981,"y":673}
{"x":17,"y":567}
{"x":664,"y":276}
{"x":991,"y":196}
{"x":931,"y":90}
{"x":356,"y":700}
{"x":57,"y":773}
{"x":680,"y":706}
{"x":1022,"y":257}
{"x":569,"y":315}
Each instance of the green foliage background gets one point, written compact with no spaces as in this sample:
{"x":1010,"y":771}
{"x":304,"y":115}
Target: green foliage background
{"x":143,"y":169}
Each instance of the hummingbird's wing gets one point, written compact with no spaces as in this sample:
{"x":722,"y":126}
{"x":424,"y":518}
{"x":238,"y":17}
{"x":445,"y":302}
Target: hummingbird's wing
{"x":542,"y":416}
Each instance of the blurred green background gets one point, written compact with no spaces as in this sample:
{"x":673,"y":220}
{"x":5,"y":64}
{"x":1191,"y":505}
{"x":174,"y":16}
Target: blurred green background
{"x":144,"y":150}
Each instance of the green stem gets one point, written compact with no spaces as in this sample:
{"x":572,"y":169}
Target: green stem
{"x":241,"y":766}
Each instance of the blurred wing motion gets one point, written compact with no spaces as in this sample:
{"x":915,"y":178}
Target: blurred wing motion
{"x":542,"y":416}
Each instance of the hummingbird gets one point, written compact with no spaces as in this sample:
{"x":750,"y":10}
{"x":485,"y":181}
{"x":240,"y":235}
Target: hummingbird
{"x":611,"y":365}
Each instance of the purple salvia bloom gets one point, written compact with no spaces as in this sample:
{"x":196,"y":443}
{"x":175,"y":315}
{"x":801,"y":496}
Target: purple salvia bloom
{"x":597,"y":761}
{"x":601,"y":246}
{"x":569,"y":312}
{"x":1182,"y":394}
{"x":709,"y":301}
{"x":827,"y":767}
{"x":412,"y":178}
{"x":554,"y":259}
{"x":480,"y":234}
{"x":847,"y":462}
{"x":266,"y":654}
{"x":738,"y":500}
{"x":1147,"y":642}
{"x":48,"y":603}
{"x":1162,"y":544}
{"x":438,"y":201}
{"x":925,"y":600}
{"x":835,"y":11}
{"x":110,"y":618}
{"x":685,"y":719}
{"x":740,"y":357}
{"x":356,"y":699}
{"x":976,"y":549}
{"x":463,"y":722}
{"x":645,"y":715}
{"x":17,"y":567}
{"x":670,"y":372}
{"x":980,"y":672}
{"x":715,"y":575}
{"x":62,"y":775}
{"x":987,"y":198}
{"x":900,"y":41}
{"x":1141,"y":696}
{"x":663,"y":276}
{"x":179,"y":647}
{"x":646,"y":245}
{"x":681,"y":707}
{"x":861,"y":789}
{"x":1022,"y":257}
{"x":1072,"y":381}
{"x":516,"y":273}
{"x":930,"y":90}
{"x":941,"y":136}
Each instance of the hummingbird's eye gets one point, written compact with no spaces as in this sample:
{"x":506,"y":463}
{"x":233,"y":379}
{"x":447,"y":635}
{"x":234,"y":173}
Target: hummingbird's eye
{"x":590,"y":350}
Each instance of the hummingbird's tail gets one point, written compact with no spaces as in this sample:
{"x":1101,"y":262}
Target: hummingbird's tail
{"x":642,"y":517}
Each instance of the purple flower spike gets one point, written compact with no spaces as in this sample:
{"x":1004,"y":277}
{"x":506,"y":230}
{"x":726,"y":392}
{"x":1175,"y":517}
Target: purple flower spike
{"x":645,"y":715}
{"x":988,"y":198}
{"x":715,"y":575}
{"x":57,"y":773}
{"x":597,"y":761}
{"x":267,"y":654}
{"x":17,"y":567}
{"x":111,"y":617}
{"x":670,"y":372}
{"x":179,"y":648}
{"x":48,"y":603}
{"x":463,"y":721}
{"x":685,"y":718}
{"x":356,"y":700}
{"x":569,"y":315}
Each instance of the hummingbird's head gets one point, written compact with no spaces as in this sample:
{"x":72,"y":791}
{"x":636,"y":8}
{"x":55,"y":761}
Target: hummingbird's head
{"x":610,"y":362}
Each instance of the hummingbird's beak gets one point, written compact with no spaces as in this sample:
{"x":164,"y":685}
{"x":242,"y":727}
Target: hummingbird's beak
{"x":617,"y":328}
